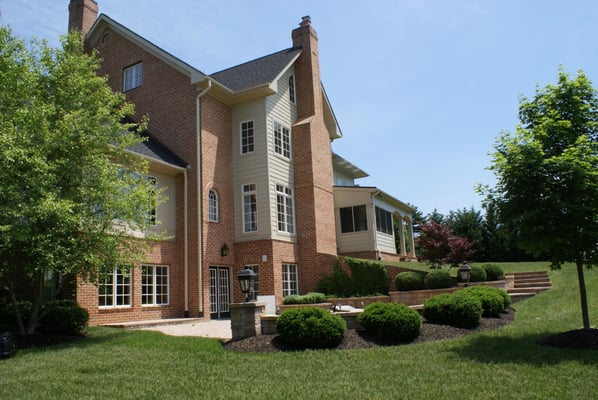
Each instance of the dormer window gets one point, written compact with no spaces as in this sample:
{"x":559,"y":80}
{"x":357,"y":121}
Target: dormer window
{"x":132,"y":77}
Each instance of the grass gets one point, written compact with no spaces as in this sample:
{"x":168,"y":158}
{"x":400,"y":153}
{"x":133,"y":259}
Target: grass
{"x":501,"y":364}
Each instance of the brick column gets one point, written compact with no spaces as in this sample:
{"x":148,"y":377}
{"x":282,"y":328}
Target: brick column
{"x":245,"y":319}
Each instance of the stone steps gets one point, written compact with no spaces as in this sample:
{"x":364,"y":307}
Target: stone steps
{"x":528,"y":284}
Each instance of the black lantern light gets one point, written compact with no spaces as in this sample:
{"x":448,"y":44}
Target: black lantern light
{"x":246,"y":278}
{"x":464,"y":272}
{"x":224,"y":250}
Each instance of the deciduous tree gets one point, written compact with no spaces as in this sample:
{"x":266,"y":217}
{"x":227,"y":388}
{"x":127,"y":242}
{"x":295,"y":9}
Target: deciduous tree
{"x":547,"y":175}
{"x":70,"y":194}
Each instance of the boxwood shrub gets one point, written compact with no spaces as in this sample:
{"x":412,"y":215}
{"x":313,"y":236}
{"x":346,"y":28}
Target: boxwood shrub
{"x":462,"y":311}
{"x":309,"y":298}
{"x":478,"y":274}
{"x":490,"y":298}
{"x":410,"y":280}
{"x":494,"y":300}
{"x":311,"y":327}
{"x":63,"y":316}
{"x":493,"y":272}
{"x":438,"y":279}
{"x":391,"y":321}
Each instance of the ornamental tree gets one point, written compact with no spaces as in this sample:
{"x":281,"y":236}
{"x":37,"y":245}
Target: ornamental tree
{"x":438,"y":245}
{"x":70,"y":194}
{"x":547,"y":175}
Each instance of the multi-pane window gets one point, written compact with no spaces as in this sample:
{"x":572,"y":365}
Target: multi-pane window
{"x":290,"y":284}
{"x":292,"y":89}
{"x":353,"y":219}
{"x":115,"y":290}
{"x":249,"y":208}
{"x":282,"y":140}
{"x":285,"y":210}
{"x":383,"y":221}
{"x":133,"y":77}
{"x":154,"y":285}
{"x":247,"y":138}
{"x":213,"y":206}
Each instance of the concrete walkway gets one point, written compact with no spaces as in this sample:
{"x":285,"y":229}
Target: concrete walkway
{"x":219,"y":329}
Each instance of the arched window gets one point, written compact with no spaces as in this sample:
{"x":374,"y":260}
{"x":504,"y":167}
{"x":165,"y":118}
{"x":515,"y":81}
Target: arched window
{"x":213,"y":206}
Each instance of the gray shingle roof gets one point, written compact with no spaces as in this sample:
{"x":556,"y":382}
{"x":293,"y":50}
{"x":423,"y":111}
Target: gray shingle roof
{"x":257,"y":72}
{"x":153,"y":149}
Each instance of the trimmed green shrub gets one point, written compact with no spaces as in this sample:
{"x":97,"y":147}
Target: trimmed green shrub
{"x":391,"y":321}
{"x":311,"y":327}
{"x":63,"y":316}
{"x":411,"y":280}
{"x":337,"y":284}
{"x":309,"y":298}
{"x":462,"y":311}
{"x":493,"y":272}
{"x":367,"y":277}
{"x":490,"y":298}
{"x":477,"y":274}
{"x":438,"y":279}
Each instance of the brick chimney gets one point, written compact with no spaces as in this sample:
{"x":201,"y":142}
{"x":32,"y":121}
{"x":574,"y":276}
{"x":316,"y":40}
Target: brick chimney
{"x":312,"y":160}
{"x":82,"y":15}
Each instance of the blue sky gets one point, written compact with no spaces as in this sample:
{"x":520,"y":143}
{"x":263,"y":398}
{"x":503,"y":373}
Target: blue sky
{"x":421,"y":88}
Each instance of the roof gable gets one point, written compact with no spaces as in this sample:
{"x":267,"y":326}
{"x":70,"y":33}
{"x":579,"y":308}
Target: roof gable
{"x":262,"y":71}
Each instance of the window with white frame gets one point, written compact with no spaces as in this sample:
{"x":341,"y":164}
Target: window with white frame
{"x":284,"y":208}
{"x":290,"y":282}
{"x":247,"y":137}
{"x":114,"y":289}
{"x":292,"y":89}
{"x":353,"y":219}
{"x":213,"y":206}
{"x":384,"y":221}
{"x":282,"y":140}
{"x":154,"y":285}
{"x":249,"y":208}
{"x":132,"y":77}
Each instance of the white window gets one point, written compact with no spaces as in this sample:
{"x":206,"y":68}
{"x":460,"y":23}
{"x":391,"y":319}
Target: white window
{"x":133,"y":77}
{"x":115,"y":290}
{"x":384,"y":221}
{"x":353,"y":219}
{"x":154,"y":285}
{"x":289,"y":280}
{"x":292,"y":89}
{"x":213,"y":206}
{"x":285,"y":210}
{"x":249,"y":208}
{"x":247,"y":138}
{"x":282,"y":140}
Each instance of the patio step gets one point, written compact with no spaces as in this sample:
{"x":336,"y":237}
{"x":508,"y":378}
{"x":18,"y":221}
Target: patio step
{"x":528,"y":284}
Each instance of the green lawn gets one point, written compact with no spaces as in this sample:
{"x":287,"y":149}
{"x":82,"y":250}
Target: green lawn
{"x":502,"y":364}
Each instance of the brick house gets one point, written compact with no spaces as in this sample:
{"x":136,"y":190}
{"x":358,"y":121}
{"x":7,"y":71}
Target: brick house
{"x":245,"y":155}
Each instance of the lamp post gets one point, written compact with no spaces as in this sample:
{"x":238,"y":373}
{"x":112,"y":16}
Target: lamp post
{"x":464,"y":272}
{"x":246,"y":278}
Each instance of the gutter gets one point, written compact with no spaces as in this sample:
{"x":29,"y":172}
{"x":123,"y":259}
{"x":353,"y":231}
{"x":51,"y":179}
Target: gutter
{"x":199,"y":192}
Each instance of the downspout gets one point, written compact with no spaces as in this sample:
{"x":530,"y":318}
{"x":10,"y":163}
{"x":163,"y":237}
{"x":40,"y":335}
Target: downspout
{"x":199,"y":191}
{"x":186,"y":227}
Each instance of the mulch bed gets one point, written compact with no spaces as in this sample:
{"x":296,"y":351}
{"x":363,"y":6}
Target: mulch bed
{"x":357,"y":339}
{"x":575,"y":339}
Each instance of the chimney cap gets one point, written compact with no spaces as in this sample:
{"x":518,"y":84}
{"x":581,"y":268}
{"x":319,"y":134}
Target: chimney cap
{"x":305,"y":21}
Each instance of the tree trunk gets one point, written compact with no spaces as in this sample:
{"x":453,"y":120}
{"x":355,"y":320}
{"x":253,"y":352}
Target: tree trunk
{"x":15,"y":307}
{"x":33,"y":320}
{"x":582,"y":292}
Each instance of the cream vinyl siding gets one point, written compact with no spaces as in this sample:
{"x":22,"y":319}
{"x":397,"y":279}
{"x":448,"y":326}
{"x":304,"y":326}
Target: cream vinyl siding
{"x":251,"y":168}
{"x":354,"y":241}
{"x":165,"y":212}
{"x":280,"y":109}
{"x":386,"y":242}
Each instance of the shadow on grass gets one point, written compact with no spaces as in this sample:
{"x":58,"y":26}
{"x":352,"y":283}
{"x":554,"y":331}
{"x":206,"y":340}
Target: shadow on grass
{"x":521,"y":350}
{"x":56,"y":342}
